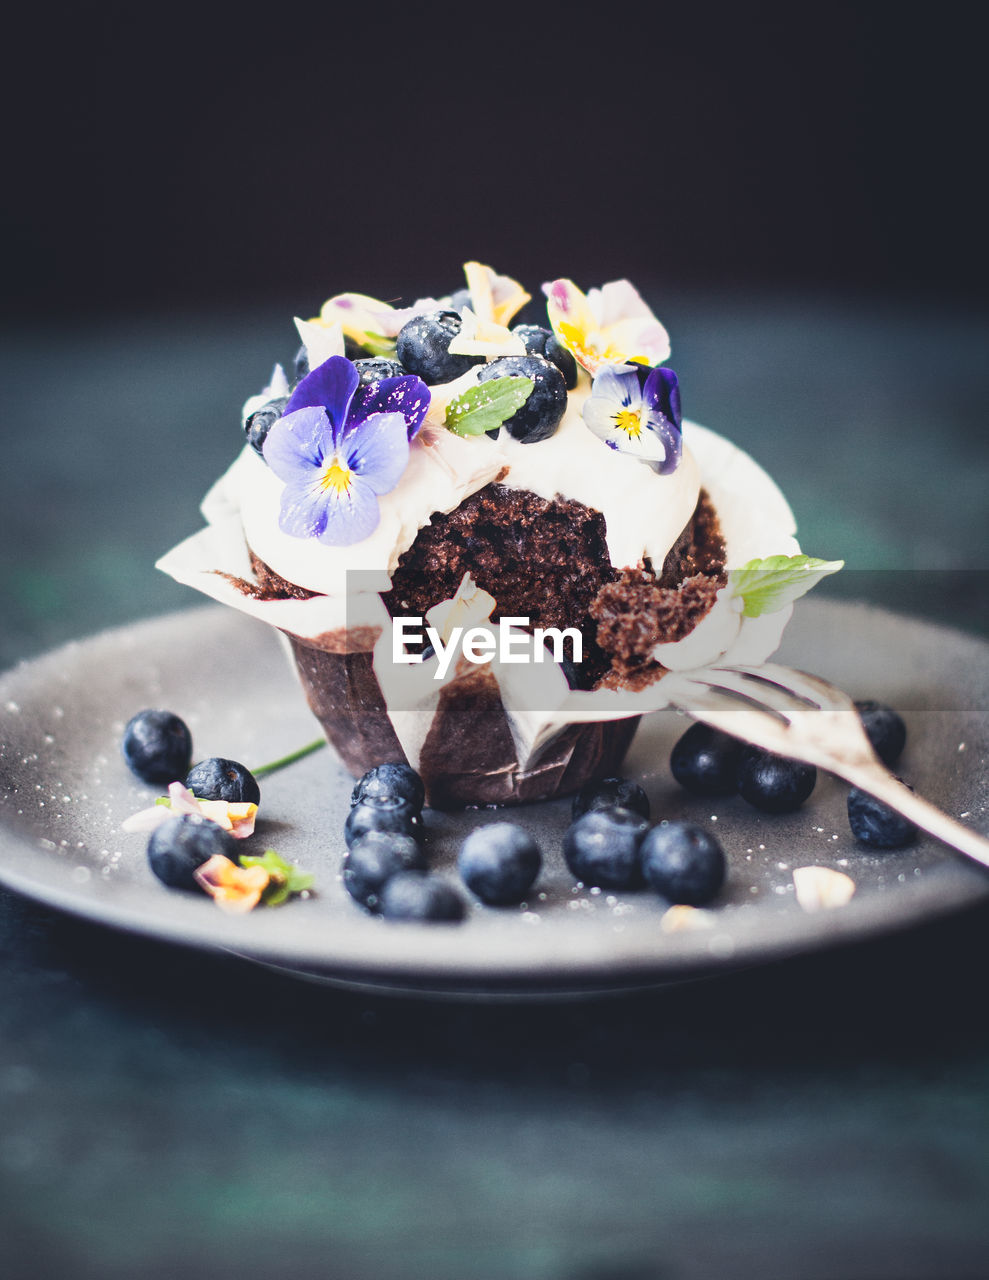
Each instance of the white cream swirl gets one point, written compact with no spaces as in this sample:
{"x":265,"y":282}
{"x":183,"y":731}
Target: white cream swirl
{"x":644,"y":512}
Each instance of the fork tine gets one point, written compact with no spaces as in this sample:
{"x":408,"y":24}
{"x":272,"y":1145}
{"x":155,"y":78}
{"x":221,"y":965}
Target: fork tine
{"x":800,"y":715}
{"x":815,"y":690}
{"x":751,"y":723}
{"x":779,"y":709}
{"x":746,"y":688}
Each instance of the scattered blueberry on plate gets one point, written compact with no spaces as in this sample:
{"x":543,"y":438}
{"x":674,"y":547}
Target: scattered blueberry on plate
{"x":374,"y":858}
{"x":220,"y":779}
{"x":772,"y":783}
{"x":875,"y":824}
{"x":157,"y":746}
{"x":383,"y":813}
{"x":391,"y":779}
{"x":884,"y":728}
{"x":181,"y":845}
{"x":602,"y":848}
{"x":705,"y":761}
{"x":418,"y":895}
{"x":683,"y":863}
{"x":499,"y":863}
{"x":610,"y":793}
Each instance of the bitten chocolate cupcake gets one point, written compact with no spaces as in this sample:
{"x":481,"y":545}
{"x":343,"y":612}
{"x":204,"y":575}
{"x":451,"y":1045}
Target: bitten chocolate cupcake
{"x":485,"y":543}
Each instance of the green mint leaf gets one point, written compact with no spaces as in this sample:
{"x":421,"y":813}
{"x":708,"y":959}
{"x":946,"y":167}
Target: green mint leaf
{"x":767,"y":585}
{"x":286,"y":878}
{"x":272,"y":862}
{"x":487,"y":406}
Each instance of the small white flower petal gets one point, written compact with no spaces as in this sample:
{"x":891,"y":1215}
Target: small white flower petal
{"x":146,"y":819}
{"x":484,"y":338}
{"x":320,"y":340}
{"x":617,"y":300}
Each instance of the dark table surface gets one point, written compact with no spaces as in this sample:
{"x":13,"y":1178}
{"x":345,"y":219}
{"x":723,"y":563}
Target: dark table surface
{"x":167,"y":1112}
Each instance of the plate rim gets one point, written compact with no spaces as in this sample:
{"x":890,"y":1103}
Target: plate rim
{"x":414,"y":965}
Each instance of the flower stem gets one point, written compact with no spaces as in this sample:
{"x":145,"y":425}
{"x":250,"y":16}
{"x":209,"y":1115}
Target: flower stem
{"x":291,"y":758}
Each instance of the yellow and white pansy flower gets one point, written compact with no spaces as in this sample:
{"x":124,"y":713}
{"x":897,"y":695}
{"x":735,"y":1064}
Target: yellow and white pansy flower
{"x":611,"y":325}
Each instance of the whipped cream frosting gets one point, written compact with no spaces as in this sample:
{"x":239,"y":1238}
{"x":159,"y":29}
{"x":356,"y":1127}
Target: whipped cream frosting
{"x":644,"y":512}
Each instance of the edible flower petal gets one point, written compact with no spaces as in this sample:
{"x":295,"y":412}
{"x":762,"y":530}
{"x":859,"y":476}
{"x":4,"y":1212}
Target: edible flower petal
{"x":407,"y":396}
{"x":337,"y":450}
{"x":638,"y":412}
{"x":236,"y":889}
{"x":285,"y":879}
{"x":320,"y":341}
{"x":236,"y":817}
{"x":611,"y":325}
{"x":330,"y":386}
{"x":494,"y":299}
{"x":373,"y":325}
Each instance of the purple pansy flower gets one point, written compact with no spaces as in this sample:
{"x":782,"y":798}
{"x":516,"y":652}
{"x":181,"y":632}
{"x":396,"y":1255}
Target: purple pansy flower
{"x":637,"y":411}
{"x":338,"y":446}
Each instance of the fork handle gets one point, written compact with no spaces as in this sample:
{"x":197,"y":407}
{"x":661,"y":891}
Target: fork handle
{"x":875,"y":779}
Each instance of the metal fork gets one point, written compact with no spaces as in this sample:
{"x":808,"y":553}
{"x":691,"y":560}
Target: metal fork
{"x":802,"y":716}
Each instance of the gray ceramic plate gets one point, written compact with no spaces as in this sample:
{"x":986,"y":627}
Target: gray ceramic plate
{"x":64,"y":791}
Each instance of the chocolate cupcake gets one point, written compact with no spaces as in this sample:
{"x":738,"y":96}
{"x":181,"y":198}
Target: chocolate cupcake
{"x":486,"y":546}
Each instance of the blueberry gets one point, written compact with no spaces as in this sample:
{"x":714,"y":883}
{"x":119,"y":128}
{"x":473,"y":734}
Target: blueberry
{"x":374,"y":858}
{"x":374,"y":368}
{"x":610,"y":793}
{"x":383,"y":813}
{"x":220,"y":779}
{"x":416,"y":895}
{"x":261,"y":421}
{"x":541,"y":414}
{"x":877,"y":825}
{"x":499,"y":863}
{"x":391,"y":779}
{"x":157,"y":746}
{"x":884,"y":728}
{"x":773,"y":783}
{"x":423,"y":347}
{"x":602,"y":848}
{"x":461,"y":298}
{"x":182,"y":844}
{"x":301,"y":363}
{"x":540,"y":341}
{"x":705,"y":761}
{"x":683,"y":863}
